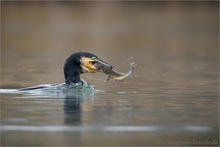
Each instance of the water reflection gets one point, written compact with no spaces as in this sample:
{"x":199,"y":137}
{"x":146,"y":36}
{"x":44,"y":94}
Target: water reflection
{"x":72,"y":109}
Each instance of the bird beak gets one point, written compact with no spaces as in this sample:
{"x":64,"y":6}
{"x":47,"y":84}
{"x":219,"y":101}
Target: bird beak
{"x":92,"y":65}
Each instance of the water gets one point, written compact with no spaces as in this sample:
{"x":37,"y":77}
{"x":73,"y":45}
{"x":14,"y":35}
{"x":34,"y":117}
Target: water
{"x":147,"y":109}
{"x":172,"y":98}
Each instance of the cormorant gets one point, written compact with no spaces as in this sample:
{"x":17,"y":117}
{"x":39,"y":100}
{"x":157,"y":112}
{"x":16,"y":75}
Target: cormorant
{"x":77,"y":64}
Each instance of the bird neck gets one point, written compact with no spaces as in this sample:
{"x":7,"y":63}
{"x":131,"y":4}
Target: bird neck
{"x":72,"y":74}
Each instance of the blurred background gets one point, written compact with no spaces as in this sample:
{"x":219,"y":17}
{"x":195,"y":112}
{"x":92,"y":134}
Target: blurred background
{"x":48,"y":32}
{"x":176,"y":82}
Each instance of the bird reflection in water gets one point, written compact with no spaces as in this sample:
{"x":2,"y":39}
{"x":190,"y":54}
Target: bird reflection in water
{"x":72,"y":108}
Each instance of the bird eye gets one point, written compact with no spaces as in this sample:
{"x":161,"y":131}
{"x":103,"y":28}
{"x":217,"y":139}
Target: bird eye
{"x":93,"y":58}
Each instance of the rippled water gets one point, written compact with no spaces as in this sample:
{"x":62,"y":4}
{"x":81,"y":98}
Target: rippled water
{"x":147,"y":109}
{"x":172,"y":98}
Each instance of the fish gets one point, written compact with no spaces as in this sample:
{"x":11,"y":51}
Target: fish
{"x":113,"y":74}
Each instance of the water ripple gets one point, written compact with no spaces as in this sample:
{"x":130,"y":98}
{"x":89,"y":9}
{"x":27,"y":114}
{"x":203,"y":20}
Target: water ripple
{"x":105,"y":128}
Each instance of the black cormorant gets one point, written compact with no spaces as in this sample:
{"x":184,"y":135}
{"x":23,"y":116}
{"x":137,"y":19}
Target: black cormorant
{"x":77,"y":64}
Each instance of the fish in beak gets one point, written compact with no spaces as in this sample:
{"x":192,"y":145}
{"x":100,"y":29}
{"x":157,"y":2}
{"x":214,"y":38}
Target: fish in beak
{"x":93,"y":65}
{"x":113,"y":74}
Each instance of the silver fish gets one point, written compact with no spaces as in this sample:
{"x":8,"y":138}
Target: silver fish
{"x":112,"y":74}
